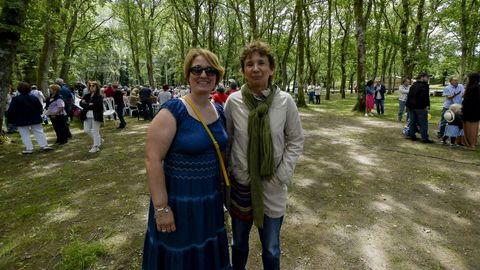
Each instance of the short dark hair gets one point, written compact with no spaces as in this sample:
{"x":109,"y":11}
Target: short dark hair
{"x":24,"y":88}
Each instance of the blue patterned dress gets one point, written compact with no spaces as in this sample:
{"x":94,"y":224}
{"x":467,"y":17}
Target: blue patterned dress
{"x":192,"y":176}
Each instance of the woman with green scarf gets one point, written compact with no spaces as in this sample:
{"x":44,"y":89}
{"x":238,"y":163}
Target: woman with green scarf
{"x":265,"y":142}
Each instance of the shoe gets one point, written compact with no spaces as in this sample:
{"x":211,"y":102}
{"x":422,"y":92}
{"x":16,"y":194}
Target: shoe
{"x":411,"y":138}
{"x":94,"y":149}
{"x":47,"y":148}
{"x":27,"y":152}
{"x":427,"y":141}
{"x":454,"y":145}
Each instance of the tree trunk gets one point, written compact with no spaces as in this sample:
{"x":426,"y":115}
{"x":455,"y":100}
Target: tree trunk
{"x":211,"y":24}
{"x":253,"y":21}
{"x":284,"y":61}
{"x":329,"y":53}
{"x":49,"y":46}
{"x":404,"y":40}
{"x":361,"y":25}
{"x":301,"y":56}
{"x":12,"y":17}
{"x":463,"y":37}
{"x":133,"y":40}
{"x":376,"y":40}
{"x":67,"y":51}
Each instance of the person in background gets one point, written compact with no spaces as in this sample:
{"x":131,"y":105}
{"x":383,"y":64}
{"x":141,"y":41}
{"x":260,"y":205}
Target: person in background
{"x":232,"y":87}
{"x":454,"y":128}
{"x":119,"y":104}
{"x":318,"y":92}
{"x":380,"y":97}
{"x":68,"y":98}
{"x":10,"y":95}
{"x":453,"y":94}
{"x":220,"y":97}
{"x":56,"y":111}
{"x":369,"y":103}
{"x":164,"y":94}
{"x":418,"y":104}
{"x":265,"y":141}
{"x":402,"y":98}
{"x":108,"y":90}
{"x":146,"y":102}
{"x":186,"y":227}
{"x":311,"y":93}
{"x":25,"y":112}
{"x":471,"y":111}
{"x":92,"y":114}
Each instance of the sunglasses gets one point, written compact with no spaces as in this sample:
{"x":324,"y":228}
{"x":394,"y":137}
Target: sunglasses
{"x":197,"y":71}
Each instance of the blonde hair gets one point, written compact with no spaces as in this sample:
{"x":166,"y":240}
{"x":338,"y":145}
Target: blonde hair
{"x":55,"y":87}
{"x":209,"y":56}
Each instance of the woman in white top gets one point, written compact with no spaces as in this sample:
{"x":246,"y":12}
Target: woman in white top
{"x":402,"y":98}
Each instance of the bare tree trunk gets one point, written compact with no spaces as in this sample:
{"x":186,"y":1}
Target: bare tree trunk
{"x":253,"y":21}
{"x":67,"y":51}
{"x":361,"y":25}
{"x":301,"y":56}
{"x":404,"y":40}
{"x":211,"y":24}
{"x":376,"y":44}
{"x":283,"y":63}
{"x":329,"y":53}
{"x":12,"y":17}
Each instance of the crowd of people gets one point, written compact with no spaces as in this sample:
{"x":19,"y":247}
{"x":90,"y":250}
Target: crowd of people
{"x":460,"y":113}
{"x":257,"y":128}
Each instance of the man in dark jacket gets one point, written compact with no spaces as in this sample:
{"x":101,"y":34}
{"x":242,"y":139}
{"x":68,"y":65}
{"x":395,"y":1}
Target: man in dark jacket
{"x":418,"y":103}
{"x":380,"y":97}
{"x":25,"y":112}
{"x":146,"y":102}
{"x":119,"y":104}
{"x":67,"y":97}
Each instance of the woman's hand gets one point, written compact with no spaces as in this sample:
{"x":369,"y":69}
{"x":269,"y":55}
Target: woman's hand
{"x":165,"y":222}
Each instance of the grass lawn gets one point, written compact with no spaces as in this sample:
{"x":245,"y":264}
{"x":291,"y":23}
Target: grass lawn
{"x":362,"y":198}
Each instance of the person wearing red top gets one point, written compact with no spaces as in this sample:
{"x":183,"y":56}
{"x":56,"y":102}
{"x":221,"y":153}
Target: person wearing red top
{"x":220,"y":97}
{"x":109,"y":92}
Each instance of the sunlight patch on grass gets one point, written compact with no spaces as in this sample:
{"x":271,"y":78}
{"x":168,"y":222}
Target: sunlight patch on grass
{"x":301,"y":213}
{"x":115,"y":242}
{"x":363,"y":159}
{"x":472,"y":195}
{"x":434,"y":244}
{"x":60,"y":214}
{"x":434,"y":188}
{"x":444,"y":214}
{"x":386,"y":203}
{"x":305,"y":182}
{"x":372,"y":246}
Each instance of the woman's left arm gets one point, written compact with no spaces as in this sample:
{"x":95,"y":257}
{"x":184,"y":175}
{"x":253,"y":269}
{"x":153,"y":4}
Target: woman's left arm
{"x":294,"y":140}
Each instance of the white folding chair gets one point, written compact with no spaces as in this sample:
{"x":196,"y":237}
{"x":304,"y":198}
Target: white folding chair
{"x":109,"y":108}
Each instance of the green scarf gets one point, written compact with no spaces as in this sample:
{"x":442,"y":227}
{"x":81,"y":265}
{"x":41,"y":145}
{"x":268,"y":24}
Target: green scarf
{"x":261,"y":165}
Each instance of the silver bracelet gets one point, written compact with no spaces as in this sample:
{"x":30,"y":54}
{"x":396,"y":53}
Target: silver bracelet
{"x":161,"y":211}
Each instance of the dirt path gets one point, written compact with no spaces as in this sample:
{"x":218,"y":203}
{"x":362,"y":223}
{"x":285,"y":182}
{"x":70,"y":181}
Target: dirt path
{"x":365,"y":198}
{"x":362,"y":198}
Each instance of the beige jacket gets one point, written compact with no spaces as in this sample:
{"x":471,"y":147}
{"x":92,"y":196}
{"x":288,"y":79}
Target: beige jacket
{"x":287,"y":138}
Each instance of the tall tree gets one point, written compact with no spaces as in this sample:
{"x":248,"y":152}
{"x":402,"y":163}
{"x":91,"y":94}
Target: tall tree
{"x":12,"y":17}
{"x":301,"y":55}
{"x":345,"y":43}
{"x":329,"y":51}
{"x":49,"y":44}
{"x":361,"y":26}
{"x":253,"y":21}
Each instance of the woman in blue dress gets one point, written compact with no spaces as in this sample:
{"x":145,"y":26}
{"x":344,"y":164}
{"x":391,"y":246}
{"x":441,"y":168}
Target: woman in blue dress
{"x":186,"y":222}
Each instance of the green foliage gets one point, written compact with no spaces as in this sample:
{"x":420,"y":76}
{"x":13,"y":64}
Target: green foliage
{"x":81,"y":255}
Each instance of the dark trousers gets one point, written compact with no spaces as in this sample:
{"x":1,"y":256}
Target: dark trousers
{"x":317,"y":99}
{"x":59,"y":123}
{"x":144,"y":106}
{"x":119,"y":111}
{"x":380,"y":106}
{"x":418,"y":117}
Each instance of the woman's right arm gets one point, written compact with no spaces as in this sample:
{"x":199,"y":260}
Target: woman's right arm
{"x":160,"y":135}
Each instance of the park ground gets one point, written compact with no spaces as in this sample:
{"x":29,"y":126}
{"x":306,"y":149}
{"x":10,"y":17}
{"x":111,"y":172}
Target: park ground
{"x":362,"y":197}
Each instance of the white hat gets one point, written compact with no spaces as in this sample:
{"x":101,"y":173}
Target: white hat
{"x":449,"y":116}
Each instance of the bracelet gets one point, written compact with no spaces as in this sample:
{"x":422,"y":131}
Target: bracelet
{"x":161,"y":211}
